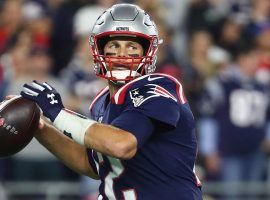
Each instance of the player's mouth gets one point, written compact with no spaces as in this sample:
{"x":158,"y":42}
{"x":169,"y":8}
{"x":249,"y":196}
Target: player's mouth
{"x":120,"y":67}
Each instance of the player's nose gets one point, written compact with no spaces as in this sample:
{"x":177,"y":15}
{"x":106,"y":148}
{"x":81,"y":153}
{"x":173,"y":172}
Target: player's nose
{"x":122,"y":52}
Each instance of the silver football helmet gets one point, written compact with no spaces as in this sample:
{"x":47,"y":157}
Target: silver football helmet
{"x":124,"y":20}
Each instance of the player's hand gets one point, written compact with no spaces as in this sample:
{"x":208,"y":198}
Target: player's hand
{"x":48,"y":99}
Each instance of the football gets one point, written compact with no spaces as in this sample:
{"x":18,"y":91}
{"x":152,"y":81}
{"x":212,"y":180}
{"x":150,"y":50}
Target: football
{"x":19,"y":119}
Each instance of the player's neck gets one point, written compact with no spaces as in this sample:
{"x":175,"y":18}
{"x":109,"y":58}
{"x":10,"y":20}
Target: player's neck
{"x":113,"y":88}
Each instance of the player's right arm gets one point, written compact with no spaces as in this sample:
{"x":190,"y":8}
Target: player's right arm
{"x":106,"y":139}
{"x":65,"y":149}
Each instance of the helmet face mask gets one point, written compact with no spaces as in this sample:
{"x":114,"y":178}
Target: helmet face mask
{"x":132,"y":23}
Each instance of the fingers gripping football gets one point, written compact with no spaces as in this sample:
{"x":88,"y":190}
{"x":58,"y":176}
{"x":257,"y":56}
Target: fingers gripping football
{"x":48,"y":99}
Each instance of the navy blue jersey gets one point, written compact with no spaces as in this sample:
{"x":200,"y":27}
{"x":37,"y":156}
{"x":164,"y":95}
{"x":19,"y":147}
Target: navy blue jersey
{"x":154,"y":109}
{"x":239,"y":108}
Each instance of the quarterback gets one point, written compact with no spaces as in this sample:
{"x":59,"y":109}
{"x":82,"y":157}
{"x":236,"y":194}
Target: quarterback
{"x":140,"y":141}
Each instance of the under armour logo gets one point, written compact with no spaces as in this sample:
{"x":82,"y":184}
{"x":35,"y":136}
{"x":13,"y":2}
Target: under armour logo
{"x":51,"y":96}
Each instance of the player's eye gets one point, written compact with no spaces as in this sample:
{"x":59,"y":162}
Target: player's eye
{"x":134,"y":55}
{"x":113,"y":46}
{"x":132,"y":47}
{"x":110,"y":54}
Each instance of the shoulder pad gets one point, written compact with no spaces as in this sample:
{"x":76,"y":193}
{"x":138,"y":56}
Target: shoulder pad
{"x":155,"y":84}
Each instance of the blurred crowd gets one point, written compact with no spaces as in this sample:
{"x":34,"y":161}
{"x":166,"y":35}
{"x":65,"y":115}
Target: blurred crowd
{"x":218,"y":49}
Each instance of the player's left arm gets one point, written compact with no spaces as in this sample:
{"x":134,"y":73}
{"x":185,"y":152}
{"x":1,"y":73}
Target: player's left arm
{"x":106,"y":139}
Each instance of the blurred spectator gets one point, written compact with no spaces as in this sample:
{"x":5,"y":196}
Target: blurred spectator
{"x":29,"y":164}
{"x":199,"y":67}
{"x":259,"y":16}
{"x":233,"y":123}
{"x":263,"y":43}
{"x":197,"y":15}
{"x":166,"y":55}
{"x":62,"y":40}
{"x":201,"y":43}
{"x":11,"y":21}
{"x":24,"y":63}
{"x":154,"y":8}
{"x":86,"y":16}
{"x":230,"y":35}
{"x":260,"y":12}
{"x":239,"y":10}
{"x":80,"y":78}
{"x":36,"y":17}
{"x":14,"y":60}
{"x":175,"y":13}
{"x":172,"y":70}
{"x":53,"y":4}
{"x":201,"y":14}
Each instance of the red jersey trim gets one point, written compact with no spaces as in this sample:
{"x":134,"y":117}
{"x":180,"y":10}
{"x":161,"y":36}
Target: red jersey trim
{"x":97,"y":97}
{"x":179,"y":87}
{"x":119,"y":96}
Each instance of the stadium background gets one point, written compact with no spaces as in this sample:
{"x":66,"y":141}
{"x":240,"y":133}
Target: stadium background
{"x":47,"y":40}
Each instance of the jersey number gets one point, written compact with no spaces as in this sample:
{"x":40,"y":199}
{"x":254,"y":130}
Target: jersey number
{"x":117,"y":169}
{"x":247,"y":108}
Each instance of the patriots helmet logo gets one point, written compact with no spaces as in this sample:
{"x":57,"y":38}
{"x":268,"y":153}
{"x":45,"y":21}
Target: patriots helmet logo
{"x":140,"y":95}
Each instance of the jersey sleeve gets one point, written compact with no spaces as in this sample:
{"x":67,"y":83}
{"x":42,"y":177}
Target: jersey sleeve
{"x":136,"y":123}
{"x":156,"y":99}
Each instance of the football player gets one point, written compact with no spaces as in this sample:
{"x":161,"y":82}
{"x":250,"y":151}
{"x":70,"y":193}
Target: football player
{"x":140,"y":141}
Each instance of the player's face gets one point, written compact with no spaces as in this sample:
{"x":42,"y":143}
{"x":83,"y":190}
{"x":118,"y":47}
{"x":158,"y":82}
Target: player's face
{"x":123,"y":54}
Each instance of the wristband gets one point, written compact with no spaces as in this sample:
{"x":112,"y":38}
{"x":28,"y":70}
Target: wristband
{"x":72,"y":124}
